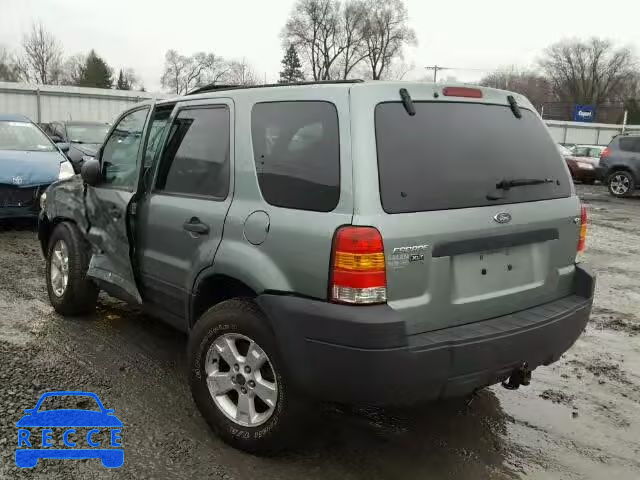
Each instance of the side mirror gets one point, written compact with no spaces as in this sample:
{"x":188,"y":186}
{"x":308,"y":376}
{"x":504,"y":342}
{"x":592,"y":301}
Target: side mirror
{"x":55,"y":138}
{"x":91,"y":172}
{"x":64,"y":147}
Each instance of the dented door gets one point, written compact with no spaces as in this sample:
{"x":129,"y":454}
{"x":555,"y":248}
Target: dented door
{"x":109,"y":207}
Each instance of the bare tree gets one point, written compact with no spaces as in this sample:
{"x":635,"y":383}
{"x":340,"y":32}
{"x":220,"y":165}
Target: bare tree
{"x":74,"y":68}
{"x":531,"y":84}
{"x":353,"y":18}
{"x":386,"y":33}
{"x":587,"y":72}
{"x":42,"y":57}
{"x":313,"y":29}
{"x":241,"y":73}
{"x":329,"y":35}
{"x":8,"y":72}
{"x":182,"y":73}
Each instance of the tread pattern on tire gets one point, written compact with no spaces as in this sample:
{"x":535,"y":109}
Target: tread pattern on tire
{"x":277,"y":437}
{"x":81,"y":294}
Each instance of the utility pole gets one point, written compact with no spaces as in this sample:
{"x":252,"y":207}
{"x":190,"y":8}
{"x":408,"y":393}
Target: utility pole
{"x":436,"y":69}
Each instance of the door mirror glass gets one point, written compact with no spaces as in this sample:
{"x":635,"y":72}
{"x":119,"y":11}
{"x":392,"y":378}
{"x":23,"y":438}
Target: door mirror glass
{"x":55,"y":138}
{"x":91,"y":172}
{"x":64,"y":147}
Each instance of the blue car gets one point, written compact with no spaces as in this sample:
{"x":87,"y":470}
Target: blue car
{"x":29,"y":163}
{"x":34,"y":445}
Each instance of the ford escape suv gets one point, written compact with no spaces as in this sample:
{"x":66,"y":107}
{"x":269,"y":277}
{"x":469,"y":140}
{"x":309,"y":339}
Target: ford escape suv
{"x":359,"y":242}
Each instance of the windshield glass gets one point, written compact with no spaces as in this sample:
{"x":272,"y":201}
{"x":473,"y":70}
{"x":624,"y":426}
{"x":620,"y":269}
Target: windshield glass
{"x":452,"y":155}
{"x":87,"y":133}
{"x":564,"y":151}
{"x":23,"y":136}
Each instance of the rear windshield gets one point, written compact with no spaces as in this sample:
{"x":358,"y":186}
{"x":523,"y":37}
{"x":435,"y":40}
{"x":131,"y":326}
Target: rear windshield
{"x":452,"y":155}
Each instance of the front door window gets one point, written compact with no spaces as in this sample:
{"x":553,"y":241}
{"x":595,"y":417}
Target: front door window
{"x":120,"y":154}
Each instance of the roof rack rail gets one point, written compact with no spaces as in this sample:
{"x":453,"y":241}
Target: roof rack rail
{"x":213,"y":87}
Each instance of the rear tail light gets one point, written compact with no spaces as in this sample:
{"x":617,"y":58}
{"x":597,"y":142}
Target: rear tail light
{"x":462,"y":92}
{"x":606,"y":153}
{"x":358,"y":274}
{"x":583,"y":229}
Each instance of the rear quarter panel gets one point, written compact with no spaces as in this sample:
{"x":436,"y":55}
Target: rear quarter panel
{"x":295,"y":255}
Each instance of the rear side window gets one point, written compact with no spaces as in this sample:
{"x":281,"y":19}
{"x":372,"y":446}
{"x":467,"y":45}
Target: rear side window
{"x":296,"y":148}
{"x":452,"y":155}
{"x":630,"y":144}
{"x":195,"y":160}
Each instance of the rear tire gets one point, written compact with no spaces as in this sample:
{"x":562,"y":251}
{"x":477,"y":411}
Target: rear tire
{"x":258,"y":433}
{"x":621,"y":183}
{"x":70,"y":292}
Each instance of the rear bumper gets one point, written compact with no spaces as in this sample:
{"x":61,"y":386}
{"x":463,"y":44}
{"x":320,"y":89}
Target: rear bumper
{"x":362,"y":354}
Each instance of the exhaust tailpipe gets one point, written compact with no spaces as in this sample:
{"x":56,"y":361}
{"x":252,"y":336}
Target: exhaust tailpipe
{"x":520,"y":376}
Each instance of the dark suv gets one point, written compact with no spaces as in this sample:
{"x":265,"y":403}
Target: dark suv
{"x":619,"y":166}
{"x":83,"y":138}
{"x":375,"y":242}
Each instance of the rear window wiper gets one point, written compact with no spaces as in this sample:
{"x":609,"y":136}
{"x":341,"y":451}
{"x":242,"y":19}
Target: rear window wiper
{"x":507,"y":184}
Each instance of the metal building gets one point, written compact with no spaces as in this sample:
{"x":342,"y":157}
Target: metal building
{"x":587,"y":133}
{"x":46,"y":103}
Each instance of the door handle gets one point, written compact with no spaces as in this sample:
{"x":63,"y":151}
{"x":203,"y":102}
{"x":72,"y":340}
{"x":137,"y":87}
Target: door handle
{"x":194,"y":225}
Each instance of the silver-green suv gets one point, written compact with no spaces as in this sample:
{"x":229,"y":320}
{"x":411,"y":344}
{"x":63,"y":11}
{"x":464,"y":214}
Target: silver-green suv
{"x":357,"y":242}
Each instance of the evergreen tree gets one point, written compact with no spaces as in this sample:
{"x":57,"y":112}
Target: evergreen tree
{"x":291,"y":67}
{"x":96,"y":72}
{"x":123,"y":82}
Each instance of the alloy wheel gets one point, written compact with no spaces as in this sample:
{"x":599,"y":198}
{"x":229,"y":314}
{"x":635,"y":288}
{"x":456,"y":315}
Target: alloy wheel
{"x":241,"y":380}
{"x":59,"y":270}
{"x":619,"y":184}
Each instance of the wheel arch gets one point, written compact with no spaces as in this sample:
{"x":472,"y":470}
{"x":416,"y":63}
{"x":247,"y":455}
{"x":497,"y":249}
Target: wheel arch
{"x":46,"y":227}
{"x":212,"y":288}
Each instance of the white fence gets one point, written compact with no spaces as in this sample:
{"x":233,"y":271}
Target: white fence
{"x":587,"y":133}
{"x":46,"y":103}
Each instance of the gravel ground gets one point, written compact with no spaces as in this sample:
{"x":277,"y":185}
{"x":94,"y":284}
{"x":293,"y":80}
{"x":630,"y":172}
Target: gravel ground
{"x":580,"y":418}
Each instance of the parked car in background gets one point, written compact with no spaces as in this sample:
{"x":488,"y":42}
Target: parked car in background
{"x":569,"y":146}
{"x":29,"y":163}
{"x":588,"y":151}
{"x":619,"y":166}
{"x":583,"y":169}
{"x":83,"y":138}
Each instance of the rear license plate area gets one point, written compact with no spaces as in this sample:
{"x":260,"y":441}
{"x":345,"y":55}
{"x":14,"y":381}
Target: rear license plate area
{"x":494,"y":272}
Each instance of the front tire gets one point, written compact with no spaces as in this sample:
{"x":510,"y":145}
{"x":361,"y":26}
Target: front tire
{"x":238,"y":380}
{"x":70,"y":292}
{"x":621,"y":184}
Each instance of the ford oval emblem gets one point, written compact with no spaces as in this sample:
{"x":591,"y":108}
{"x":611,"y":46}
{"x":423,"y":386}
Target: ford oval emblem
{"x":502,"y":217}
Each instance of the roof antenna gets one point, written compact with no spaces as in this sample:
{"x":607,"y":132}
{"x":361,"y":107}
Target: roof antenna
{"x":407,"y":102}
{"x":514,"y":106}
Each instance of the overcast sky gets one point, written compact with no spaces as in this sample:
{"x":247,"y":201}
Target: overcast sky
{"x":471,"y":35}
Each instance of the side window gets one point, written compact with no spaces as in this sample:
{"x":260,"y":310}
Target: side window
{"x":581,"y":152}
{"x":630,"y":144}
{"x":158,"y":124}
{"x":120,"y":154}
{"x":296,"y":149}
{"x":196,"y":157}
